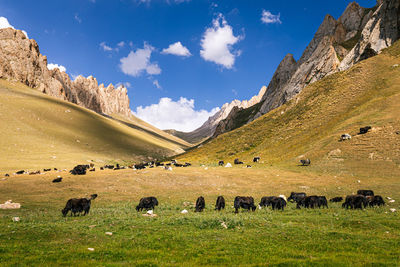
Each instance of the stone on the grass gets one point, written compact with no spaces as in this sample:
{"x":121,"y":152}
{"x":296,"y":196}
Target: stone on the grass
{"x":91,"y":249}
{"x":392,"y":210}
{"x":184,"y":211}
{"x":228,"y":165}
{"x":9,"y":205}
{"x":109,"y":233}
{"x":16,"y":219}
{"x":223,"y":224}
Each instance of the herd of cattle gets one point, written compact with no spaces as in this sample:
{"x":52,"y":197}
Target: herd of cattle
{"x":363,"y":199}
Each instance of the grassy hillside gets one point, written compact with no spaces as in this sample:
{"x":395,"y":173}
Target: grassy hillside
{"x":310,"y":125}
{"x":137,"y":123}
{"x":193,"y":137}
{"x":40,"y":131}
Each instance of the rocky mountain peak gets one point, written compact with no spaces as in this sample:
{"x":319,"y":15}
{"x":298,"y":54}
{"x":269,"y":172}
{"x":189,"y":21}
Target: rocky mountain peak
{"x":20,"y":60}
{"x":352,"y":17}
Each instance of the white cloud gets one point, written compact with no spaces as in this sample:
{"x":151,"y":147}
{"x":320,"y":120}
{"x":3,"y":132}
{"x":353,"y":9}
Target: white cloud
{"x":5,"y":24}
{"x":105,"y":47}
{"x":217,"y":42}
{"x":126,"y":84}
{"x":157,"y":84}
{"x":177,"y":49}
{"x":267,"y":17}
{"x":77,"y":18}
{"x":52,"y":66}
{"x":139,"y":61}
{"x":179,"y":115}
{"x":108,"y":48}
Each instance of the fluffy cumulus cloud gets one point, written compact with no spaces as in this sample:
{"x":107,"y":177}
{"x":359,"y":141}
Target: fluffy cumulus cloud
{"x":179,"y":115}
{"x":268,"y":18}
{"x":217,"y":41}
{"x":51,"y":66}
{"x":5,"y":24}
{"x":138,"y":62}
{"x":177,"y":49}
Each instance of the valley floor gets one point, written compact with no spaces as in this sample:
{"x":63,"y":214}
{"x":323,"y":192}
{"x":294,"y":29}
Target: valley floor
{"x":325,"y":237}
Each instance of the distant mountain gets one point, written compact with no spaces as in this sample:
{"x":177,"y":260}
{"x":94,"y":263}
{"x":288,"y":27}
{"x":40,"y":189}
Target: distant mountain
{"x":358,"y":34}
{"x":208,"y":128}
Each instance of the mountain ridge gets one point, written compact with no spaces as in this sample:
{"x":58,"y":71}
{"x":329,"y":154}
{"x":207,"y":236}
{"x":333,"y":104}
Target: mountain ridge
{"x":338,"y":44}
{"x":21,"y":60}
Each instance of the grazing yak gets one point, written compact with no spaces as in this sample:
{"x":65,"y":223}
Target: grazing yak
{"x":79,"y":170}
{"x":364,"y":130}
{"x":308,"y":202}
{"x":305,"y":162}
{"x":322,"y":202}
{"x":200,"y":204}
{"x":147,"y":203}
{"x":345,"y":136}
{"x":375,"y":201}
{"x":140,"y":166}
{"x":221,"y":163}
{"x":355,"y":202}
{"x":365,"y":192}
{"x":220,"y":204}
{"x":256,"y":159}
{"x":237,"y":161}
{"x":296,"y":197}
{"x":244,"y":203}
{"x":78,"y":205}
{"x":275,"y":202}
{"x":336,"y":199}
{"x":266,"y":201}
{"x":57,"y":180}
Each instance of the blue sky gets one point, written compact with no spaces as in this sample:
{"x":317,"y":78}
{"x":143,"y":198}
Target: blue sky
{"x":240,"y":51}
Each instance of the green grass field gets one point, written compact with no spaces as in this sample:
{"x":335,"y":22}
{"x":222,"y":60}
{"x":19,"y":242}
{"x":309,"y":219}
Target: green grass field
{"x":325,"y":237}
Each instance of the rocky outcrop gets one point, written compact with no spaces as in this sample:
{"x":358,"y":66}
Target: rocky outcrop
{"x":381,"y":31}
{"x":20,"y":60}
{"x":358,"y":34}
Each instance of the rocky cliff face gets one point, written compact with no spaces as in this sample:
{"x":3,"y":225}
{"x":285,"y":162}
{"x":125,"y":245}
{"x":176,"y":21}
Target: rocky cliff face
{"x":359,"y":33}
{"x":20,"y":60}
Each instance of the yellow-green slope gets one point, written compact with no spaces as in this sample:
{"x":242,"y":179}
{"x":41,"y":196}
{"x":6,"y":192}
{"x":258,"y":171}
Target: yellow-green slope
{"x":40,"y":131}
{"x":311,"y":124}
